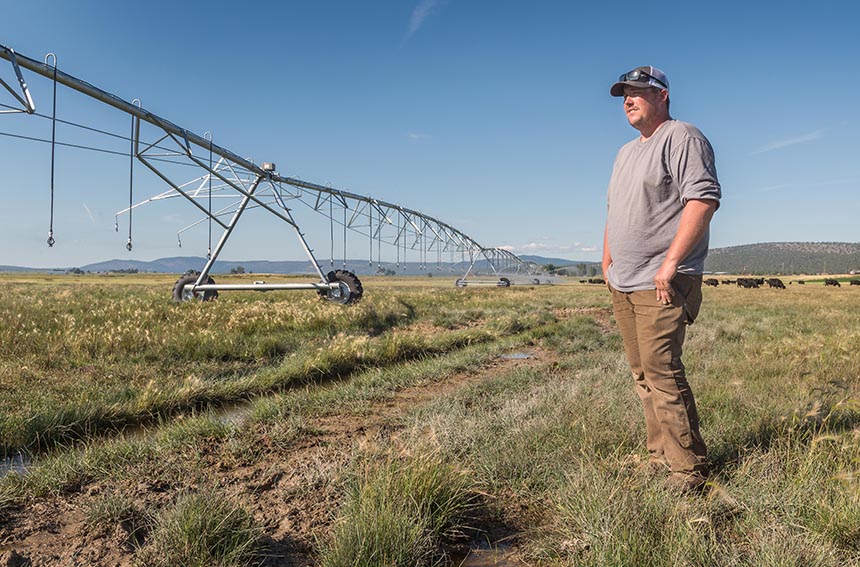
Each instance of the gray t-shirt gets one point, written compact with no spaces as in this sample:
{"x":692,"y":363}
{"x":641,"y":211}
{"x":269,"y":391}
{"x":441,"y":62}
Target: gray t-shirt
{"x":651,"y":182}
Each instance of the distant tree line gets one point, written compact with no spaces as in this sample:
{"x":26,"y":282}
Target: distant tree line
{"x":786,"y":258}
{"x":580,"y":269}
{"x":79,"y":271}
{"x":778,"y":258}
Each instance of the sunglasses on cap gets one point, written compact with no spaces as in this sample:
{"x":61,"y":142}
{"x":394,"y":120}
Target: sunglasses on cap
{"x":639,"y":76}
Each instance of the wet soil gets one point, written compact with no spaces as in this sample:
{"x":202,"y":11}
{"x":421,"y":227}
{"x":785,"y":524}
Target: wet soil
{"x":290,"y":491}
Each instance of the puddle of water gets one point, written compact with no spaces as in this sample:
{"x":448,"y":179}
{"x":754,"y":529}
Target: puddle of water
{"x":517,"y":356}
{"x":234,"y":413}
{"x":501,"y":556}
{"x":15,"y":464}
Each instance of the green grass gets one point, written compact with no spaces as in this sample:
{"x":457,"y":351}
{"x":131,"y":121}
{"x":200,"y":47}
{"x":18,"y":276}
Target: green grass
{"x":199,"y":530}
{"x":108,"y":357}
{"x":554,"y":447}
{"x":397,"y":512}
{"x":279,"y":419}
{"x":777,"y":386}
{"x":114,"y":509}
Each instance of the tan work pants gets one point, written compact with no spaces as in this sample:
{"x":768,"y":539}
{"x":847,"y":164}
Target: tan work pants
{"x":653,"y":335}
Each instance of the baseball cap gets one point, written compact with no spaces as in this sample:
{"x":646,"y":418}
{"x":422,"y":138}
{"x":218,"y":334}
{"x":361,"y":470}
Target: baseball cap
{"x":645,"y":76}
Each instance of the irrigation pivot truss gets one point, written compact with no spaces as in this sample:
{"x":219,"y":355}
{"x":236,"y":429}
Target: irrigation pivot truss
{"x":227,"y":186}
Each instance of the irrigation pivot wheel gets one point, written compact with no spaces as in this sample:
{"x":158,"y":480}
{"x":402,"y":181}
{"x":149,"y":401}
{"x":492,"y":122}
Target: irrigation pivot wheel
{"x":349,"y":289}
{"x":182,"y":294}
{"x":246,"y":185}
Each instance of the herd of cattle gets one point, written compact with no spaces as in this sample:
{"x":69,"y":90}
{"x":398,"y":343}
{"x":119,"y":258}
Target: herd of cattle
{"x":771,"y":282}
{"x":749,"y":282}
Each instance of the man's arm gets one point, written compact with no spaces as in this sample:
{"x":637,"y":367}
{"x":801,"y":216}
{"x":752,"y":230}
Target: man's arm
{"x":607,"y":256}
{"x":694,"y":223}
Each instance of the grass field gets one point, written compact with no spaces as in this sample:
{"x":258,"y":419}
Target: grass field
{"x":397,"y":432}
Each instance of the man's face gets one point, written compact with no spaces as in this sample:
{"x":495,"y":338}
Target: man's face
{"x":642,"y":105}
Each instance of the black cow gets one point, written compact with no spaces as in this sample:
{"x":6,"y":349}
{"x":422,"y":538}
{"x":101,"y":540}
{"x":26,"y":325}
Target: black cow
{"x":596,"y":280}
{"x":854,"y":282}
{"x":801,"y":282}
{"x":748,"y":283}
{"x":775,"y":282}
{"x":711,"y":282}
{"x":727,"y":282}
{"x":831,"y":281}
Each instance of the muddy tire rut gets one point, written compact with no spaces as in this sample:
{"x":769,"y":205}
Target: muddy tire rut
{"x":293,"y":492}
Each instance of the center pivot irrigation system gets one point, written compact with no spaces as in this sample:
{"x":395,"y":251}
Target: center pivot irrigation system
{"x":238,"y":185}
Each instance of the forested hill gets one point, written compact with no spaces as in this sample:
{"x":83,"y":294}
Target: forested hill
{"x":786,"y":258}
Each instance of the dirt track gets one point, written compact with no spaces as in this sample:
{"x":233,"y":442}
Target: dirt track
{"x":289,"y":491}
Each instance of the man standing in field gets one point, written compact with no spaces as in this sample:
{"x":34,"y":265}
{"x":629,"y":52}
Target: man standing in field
{"x":662,"y":195}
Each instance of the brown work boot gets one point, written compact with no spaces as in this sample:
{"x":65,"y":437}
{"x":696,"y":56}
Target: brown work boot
{"x":686,"y":483}
{"x":650,"y":467}
{"x":654,"y":467}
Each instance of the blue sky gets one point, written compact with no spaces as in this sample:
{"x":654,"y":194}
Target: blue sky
{"x":493,"y":116}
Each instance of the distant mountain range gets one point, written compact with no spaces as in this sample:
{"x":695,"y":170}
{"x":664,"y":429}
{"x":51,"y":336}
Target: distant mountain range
{"x":762,"y":258}
{"x":180,"y":264}
{"x":786,"y":258}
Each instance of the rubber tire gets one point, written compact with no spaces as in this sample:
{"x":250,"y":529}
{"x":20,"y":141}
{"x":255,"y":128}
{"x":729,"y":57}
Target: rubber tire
{"x":348,"y":280}
{"x":179,"y":294}
{"x":504,"y":282}
{"x":460,"y":282}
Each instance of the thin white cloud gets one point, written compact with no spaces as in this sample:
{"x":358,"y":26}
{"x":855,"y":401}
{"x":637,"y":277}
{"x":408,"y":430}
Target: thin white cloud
{"x":414,"y":136}
{"x":803,"y":138}
{"x":89,"y":213}
{"x":420,"y":14}
{"x":532,"y":247}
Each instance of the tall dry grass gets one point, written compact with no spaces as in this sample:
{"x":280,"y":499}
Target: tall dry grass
{"x":555,"y":447}
{"x":81,"y":360}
